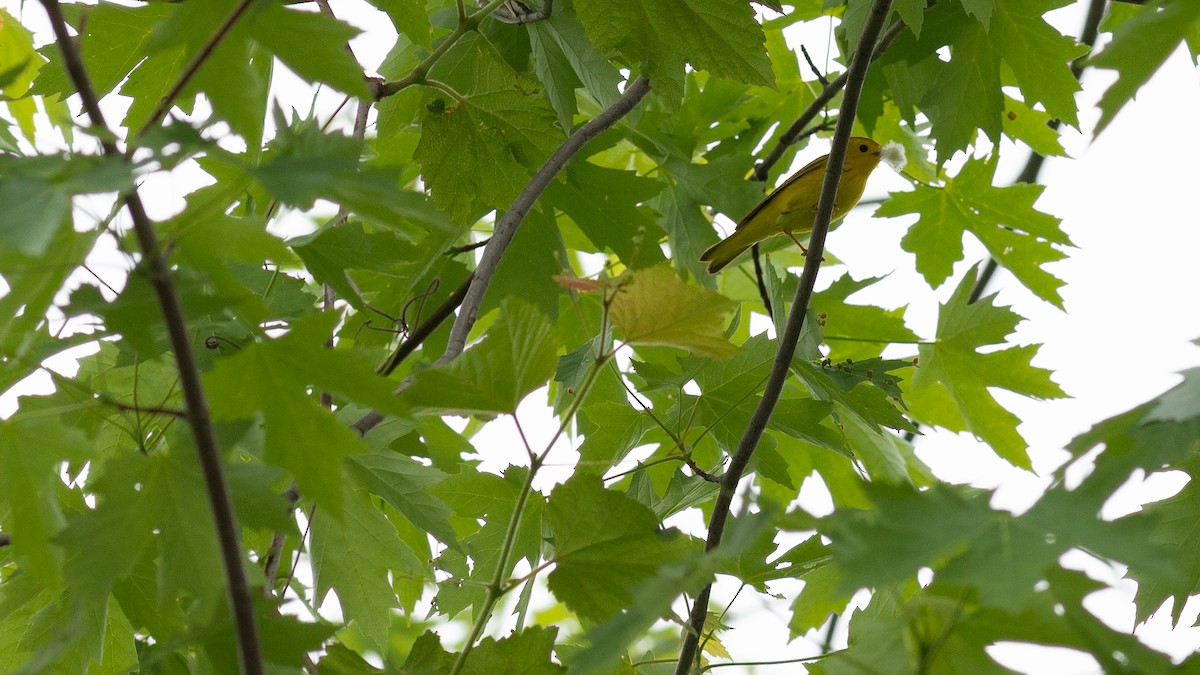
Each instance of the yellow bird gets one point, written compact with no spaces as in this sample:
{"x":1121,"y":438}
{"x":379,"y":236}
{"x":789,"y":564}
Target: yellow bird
{"x":791,"y":209}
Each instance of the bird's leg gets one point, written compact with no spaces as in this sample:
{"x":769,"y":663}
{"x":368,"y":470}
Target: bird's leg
{"x":803,"y":251}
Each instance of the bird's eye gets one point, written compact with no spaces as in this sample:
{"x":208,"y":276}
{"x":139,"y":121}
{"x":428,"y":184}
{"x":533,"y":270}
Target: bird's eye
{"x":862,"y":148}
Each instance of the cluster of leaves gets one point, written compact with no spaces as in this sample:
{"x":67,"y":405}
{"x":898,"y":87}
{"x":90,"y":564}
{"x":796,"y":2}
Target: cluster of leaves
{"x":109,"y":559}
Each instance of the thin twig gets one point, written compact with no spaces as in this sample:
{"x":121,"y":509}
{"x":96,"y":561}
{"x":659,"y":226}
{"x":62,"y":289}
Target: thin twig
{"x":228,"y":532}
{"x":524,"y":439}
{"x":190,"y":70}
{"x":496,"y":588}
{"x":762,"y":285}
{"x":513,"y":217}
{"x":820,"y":76}
{"x":418,"y":74}
{"x":701,"y":473}
{"x":425,"y":329}
{"x":855,"y":76}
{"x":360,"y":132}
{"x":507,"y":226}
{"x":780,"y":662}
{"x":795,"y":132}
{"x":275,"y":550}
{"x":312,"y":513}
{"x":153,"y":410}
{"x":327,"y":10}
{"x":455,"y":250}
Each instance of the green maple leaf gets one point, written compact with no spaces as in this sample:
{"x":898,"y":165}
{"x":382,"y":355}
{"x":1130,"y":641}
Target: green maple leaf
{"x":606,"y":204}
{"x":1182,"y":402}
{"x":235,"y":76}
{"x":853,"y":395}
{"x":1139,"y":47}
{"x":867,"y":329}
{"x":30,"y":448}
{"x":331,"y":252}
{"x":913,"y":14}
{"x":689,"y":229}
{"x":32,"y":284}
{"x":533,"y":258}
{"x":1038,"y":55}
{"x":987,"y":40}
{"x":113,"y":40}
{"x":19,"y":64}
{"x":683,"y":492}
{"x":518,"y":355}
{"x":527,"y":651}
{"x":966,"y":94}
{"x":35,"y":195}
{"x":604,"y":544}
{"x":655,"y":307}
{"x":403,"y":483}
{"x":187,"y":536}
{"x":409,"y":18}
{"x":1017,"y":235}
{"x":312,"y":45}
{"x":354,"y":556}
{"x":955,"y":532}
{"x":953,"y":362}
{"x":479,"y":152}
{"x":475,"y":495}
{"x":1176,"y":532}
{"x":103,"y":544}
{"x":693,"y":187}
{"x":653,"y":597}
{"x":564,"y":59}
{"x":274,"y":378}
{"x":307,"y":164}
{"x":822,"y":594}
{"x":730,"y":388}
{"x":1032,"y":127}
{"x":720,"y":36}
{"x":555,"y":73}
{"x":611,"y":430}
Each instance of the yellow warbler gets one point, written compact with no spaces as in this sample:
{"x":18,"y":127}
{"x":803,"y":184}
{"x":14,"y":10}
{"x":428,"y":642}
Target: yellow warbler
{"x":791,"y":208}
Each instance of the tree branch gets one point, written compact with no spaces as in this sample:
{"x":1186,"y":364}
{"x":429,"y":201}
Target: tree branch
{"x":507,"y":227}
{"x":196,"y":404}
{"x":426,"y":328}
{"x":417,"y":75}
{"x":796,"y":131}
{"x":512,"y":218}
{"x":855,"y":76}
{"x":192,"y":68}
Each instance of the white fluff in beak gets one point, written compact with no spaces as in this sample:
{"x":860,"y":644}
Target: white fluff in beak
{"x":893,"y":155}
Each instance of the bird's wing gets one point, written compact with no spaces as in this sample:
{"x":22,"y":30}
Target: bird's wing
{"x":817,"y":164}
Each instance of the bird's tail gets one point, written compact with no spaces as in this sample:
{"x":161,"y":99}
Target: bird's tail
{"x":725,"y":251}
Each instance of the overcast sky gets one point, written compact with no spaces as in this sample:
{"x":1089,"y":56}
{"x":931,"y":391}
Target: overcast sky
{"x":1128,"y":202}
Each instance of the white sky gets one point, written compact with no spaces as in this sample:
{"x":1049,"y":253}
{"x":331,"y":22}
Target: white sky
{"x":1127,"y":200}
